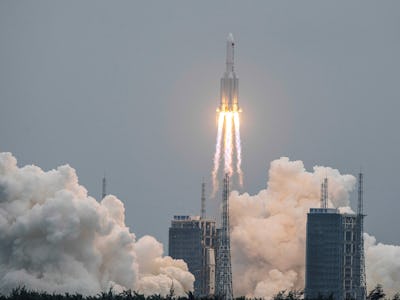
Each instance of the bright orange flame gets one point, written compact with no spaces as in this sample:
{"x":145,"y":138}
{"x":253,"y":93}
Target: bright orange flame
{"x":229,"y":132}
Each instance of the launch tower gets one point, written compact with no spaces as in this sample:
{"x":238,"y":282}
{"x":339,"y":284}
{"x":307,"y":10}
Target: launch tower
{"x":334,"y":251}
{"x":362,"y":292}
{"x":224,"y":270}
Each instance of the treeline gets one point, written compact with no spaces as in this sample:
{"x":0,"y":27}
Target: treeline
{"x":376,"y":293}
{"x":23,"y":294}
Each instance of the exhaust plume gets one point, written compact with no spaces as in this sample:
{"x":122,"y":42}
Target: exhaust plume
{"x":382,"y":265}
{"x":56,"y":238}
{"x":268,"y":231}
{"x":229,"y":131}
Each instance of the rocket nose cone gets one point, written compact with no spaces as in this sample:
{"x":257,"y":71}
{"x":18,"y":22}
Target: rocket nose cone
{"x":230,"y":38}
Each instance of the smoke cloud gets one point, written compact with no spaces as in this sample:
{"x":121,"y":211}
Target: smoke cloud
{"x":56,"y":238}
{"x":268,"y":231}
{"x":382,"y":265}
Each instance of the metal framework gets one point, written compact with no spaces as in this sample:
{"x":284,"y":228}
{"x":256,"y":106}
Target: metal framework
{"x":360,"y":216}
{"x":324,"y":193}
{"x":351,"y":257}
{"x":103,"y":191}
{"x":203,"y":200}
{"x":224,"y":268}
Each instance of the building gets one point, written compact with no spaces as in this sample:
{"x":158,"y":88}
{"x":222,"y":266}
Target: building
{"x":334,"y":252}
{"x":204,"y":248}
{"x":192,"y":239}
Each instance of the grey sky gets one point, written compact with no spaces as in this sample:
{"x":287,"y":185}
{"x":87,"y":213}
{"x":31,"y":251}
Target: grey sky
{"x":130,"y":89}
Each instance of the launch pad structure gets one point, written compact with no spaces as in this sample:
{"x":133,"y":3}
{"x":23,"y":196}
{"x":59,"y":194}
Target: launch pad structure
{"x":362,"y":284}
{"x":196,"y":239}
{"x":335,"y":263}
{"x":228,"y":140}
{"x":223,"y":276}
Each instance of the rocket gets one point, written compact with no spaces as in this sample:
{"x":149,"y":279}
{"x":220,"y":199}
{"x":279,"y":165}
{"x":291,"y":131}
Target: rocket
{"x":228,"y":144}
{"x":229,"y":82}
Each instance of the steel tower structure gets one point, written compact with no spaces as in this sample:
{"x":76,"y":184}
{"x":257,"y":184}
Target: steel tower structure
{"x":203,"y":200}
{"x":103,"y":191}
{"x":362,"y":294}
{"x":224,"y":268}
{"x":324,"y":193}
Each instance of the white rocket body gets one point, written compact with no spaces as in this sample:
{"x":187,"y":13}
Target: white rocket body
{"x":229,"y":82}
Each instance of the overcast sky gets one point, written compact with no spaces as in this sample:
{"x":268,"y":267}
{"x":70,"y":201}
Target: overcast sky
{"x":130,"y":89}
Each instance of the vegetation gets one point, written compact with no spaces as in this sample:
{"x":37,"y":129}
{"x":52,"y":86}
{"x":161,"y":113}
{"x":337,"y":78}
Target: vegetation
{"x":23,"y":294}
{"x":377,"y":293}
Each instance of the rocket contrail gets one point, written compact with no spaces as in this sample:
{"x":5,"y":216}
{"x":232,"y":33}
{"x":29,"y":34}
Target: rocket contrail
{"x":238,"y":147}
{"x":228,"y":121}
{"x":228,"y":144}
{"x":217,"y":155}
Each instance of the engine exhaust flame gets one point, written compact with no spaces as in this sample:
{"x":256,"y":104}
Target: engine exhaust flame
{"x":228,"y":144}
{"x":229,"y":131}
{"x":238,"y":147}
{"x":217,"y":155}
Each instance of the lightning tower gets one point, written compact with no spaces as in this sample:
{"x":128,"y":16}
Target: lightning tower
{"x":223,"y":274}
{"x":103,"y":190}
{"x":362,"y":293}
{"x":324,"y":193}
{"x":203,"y":200}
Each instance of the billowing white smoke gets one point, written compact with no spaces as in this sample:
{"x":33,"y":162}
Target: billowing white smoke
{"x":382,"y":265}
{"x":56,"y":238}
{"x":269,"y":230}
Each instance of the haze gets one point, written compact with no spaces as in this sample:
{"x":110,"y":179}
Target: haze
{"x":130,"y":89}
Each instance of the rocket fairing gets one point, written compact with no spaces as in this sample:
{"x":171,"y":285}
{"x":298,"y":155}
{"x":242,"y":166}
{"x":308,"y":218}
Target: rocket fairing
{"x":229,"y":101}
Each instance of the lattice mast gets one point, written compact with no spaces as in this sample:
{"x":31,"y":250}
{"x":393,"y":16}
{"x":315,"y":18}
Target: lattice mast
{"x":324,"y":193}
{"x":224,"y":269}
{"x":103,"y":191}
{"x":203,"y":200}
{"x":362,"y":294}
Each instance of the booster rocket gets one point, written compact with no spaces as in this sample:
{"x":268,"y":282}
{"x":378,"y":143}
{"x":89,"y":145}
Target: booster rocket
{"x":228,"y":144}
{"x":229,"y":82}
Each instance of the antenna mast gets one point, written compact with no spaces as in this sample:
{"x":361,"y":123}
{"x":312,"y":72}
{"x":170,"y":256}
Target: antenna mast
{"x":360,"y":206}
{"x":103,"y":192}
{"x":360,"y":216}
{"x":203,"y":200}
{"x":324,"y":193}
